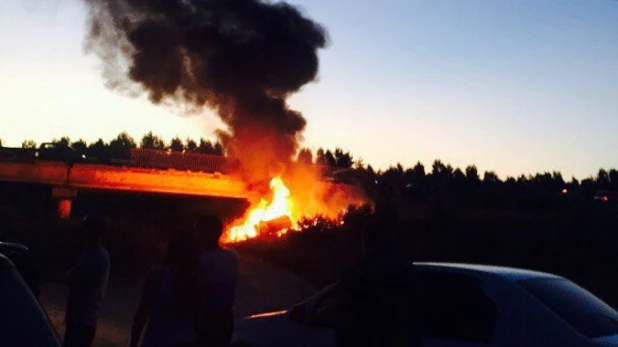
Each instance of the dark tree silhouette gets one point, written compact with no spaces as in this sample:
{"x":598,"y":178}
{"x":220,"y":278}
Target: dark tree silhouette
{"x":440,"y":172}
{"x":391,"y":180}
{"x":603,"y":179}
{"x":523,"y":181}
{"x":490,"y":178}
{"x":121,"y":146}
{"x":219,"y":150}
{"x":191,"y":146}
{"x":28,"y":144}
{"x":99,"y":151}
{"x":330,"y":158}
{"x":371,"y":172}
{"x":589,"y":186}
{"x":548,"y":182}
{"x":65,"y":141}
{"x":208,"y":147}
{"x":613,"y":178}
{"x":151,"y":141}
{"x":459,"y":178}
{"x":510,"y":181}
{"x":419,"y":170}
{"x":176,"y":145}
{"x":472,"y":175}
{"x":320,"y":157}
{"x":343,"y":159}
{"x":205,"y":147}
{"x":80,"y":147}
{"x":558,"y":181}
{"x":573,"y":185}
{"x":305,"y":156}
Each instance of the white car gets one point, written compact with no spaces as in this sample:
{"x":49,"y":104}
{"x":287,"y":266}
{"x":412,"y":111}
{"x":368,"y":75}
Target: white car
{"x":468,"y":306}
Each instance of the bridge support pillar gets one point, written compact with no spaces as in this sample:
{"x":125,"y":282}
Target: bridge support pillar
{"x":63,"y":199}
{"x":63,"y":208}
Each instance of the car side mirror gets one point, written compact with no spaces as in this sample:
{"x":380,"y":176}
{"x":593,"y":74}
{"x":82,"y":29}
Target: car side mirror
{"x":298,"y":314}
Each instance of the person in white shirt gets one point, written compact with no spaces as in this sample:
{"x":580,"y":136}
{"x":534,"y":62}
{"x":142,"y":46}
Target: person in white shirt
{"x":219,"y":269}
{"x":87,"y":282}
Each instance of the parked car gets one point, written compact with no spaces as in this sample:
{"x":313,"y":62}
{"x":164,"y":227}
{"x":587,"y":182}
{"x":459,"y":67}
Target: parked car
{"x":21,"y":258}
{"x":464,"y":306}
{"x":23,"y":321}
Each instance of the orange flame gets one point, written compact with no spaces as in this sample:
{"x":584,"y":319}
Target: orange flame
{"x":280,"y":206}
{"x":304,"y":195}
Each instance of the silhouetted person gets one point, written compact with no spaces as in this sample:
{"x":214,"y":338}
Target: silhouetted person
{"x":378,"y":297}
{"x":219,"y":269}
{"x":87,"y":282}
{"x":170,"y":297}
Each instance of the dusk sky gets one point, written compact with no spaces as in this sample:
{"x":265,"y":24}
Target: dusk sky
{"x":515,"y":86}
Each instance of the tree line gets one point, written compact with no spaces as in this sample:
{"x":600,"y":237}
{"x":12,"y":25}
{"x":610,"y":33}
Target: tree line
{"x":467,"y":183}
{"x":120,"y":147}
{"x":442,"y":178}
{"x":395,"y":178}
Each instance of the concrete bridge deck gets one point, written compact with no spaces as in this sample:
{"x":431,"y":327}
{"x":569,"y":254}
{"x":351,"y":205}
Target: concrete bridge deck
{"x":94,"y":176}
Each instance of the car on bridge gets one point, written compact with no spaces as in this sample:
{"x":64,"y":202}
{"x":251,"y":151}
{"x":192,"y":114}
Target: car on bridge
{"x":464,"y":305}
{"x":58,"y":152}
{"x":50,"y":151}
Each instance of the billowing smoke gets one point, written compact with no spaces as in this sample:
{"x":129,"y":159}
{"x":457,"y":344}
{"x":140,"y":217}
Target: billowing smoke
{"x":242,"y":58}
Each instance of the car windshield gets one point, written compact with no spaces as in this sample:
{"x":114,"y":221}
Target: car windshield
{"x":579,"y":308}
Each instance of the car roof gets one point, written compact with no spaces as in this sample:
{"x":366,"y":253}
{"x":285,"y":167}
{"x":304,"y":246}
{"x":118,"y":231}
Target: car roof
{"x":9,"y":248}
{"x":508,"y":273}
{"x":5,"y":262}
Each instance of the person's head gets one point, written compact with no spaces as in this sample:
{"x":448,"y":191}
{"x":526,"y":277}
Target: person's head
{"x":208,"y":229}
{"x":93,"y":229}
{"x":378,"y":238}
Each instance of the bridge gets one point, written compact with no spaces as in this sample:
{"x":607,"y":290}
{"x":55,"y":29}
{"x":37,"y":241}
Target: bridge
{"x":67,"y":180}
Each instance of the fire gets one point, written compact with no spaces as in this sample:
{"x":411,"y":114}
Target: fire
{"x":280,"y":208}
{"x":296,"y":197}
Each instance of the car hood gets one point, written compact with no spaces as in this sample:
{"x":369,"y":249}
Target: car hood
{"x":266,"y":315}
{"x":611,"y":340}
{"x":259,"y":327}
{"x":10,"y":248}
{"x":13,"y":246}
{"x":259,"y":321}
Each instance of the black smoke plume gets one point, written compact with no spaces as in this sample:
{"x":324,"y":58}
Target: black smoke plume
{"x":242,"y":58}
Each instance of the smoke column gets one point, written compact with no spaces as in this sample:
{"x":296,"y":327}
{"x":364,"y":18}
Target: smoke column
{"x":241,"y":58}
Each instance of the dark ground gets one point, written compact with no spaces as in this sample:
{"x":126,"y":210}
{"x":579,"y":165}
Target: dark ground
{"x":571,"y":236}
{"x":262,"y":288}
